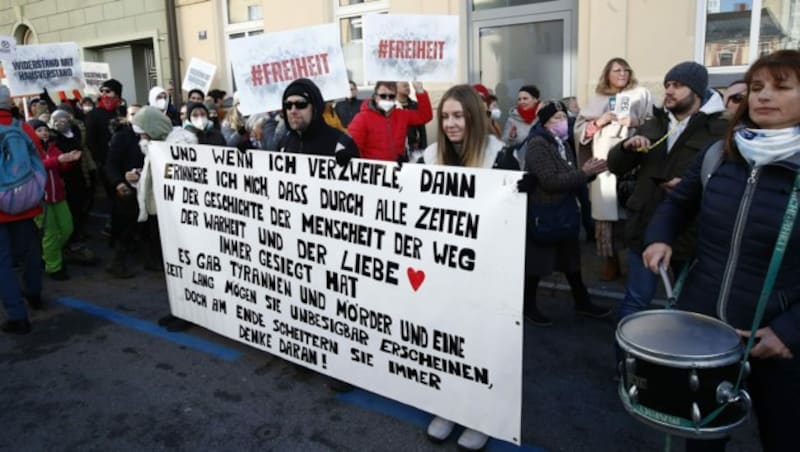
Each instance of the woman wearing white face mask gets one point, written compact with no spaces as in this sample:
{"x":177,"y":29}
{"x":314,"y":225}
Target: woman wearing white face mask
{"x":197,"y":122}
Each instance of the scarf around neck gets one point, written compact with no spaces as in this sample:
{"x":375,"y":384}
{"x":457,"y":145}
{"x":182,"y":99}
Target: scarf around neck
{"x":764,"y":146}
{"x":528,"y":115}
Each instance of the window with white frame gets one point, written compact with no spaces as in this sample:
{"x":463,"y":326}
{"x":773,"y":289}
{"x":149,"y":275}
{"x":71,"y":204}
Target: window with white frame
{"x":736,"y":32}
{"x":349,"y":15}
{"x":243,"y":18}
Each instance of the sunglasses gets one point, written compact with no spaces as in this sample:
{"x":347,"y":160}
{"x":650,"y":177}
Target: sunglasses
{"x":387,"y":96}
{"x":300,"y":104}
{"x":736,"y":98}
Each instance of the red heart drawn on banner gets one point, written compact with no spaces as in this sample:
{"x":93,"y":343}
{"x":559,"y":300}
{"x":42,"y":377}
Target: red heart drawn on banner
{"x":415,"y":277}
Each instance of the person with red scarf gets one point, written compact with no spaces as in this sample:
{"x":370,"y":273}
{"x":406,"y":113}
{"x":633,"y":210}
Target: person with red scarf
{"x":522,"y":117}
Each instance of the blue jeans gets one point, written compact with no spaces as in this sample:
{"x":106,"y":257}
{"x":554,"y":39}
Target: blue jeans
{"x":641,"y":287}
{"x":19,"y":240}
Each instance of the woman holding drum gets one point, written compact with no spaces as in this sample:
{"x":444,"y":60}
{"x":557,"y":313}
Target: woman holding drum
{"x":740,"y":200}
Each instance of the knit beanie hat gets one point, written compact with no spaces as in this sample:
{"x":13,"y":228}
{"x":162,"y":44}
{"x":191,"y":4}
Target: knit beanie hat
{"x":113,"y":85}
{"x":691,"y":74}
{"x":36,"y":123}
{"x":548,"y":111}
{"x":193,"y":106}
{"x":297,"y":89}
{"x":5,"y":98}
{"x":153,"y":122}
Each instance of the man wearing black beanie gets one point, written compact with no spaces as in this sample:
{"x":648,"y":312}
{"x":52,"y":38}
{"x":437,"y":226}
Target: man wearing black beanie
{"x":307,"y":131}
{"x":663,"y":150}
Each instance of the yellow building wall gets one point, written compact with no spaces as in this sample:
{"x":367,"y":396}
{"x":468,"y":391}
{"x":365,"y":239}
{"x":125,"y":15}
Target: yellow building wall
{"x":194,"y":17}
{"x":652,"y":36}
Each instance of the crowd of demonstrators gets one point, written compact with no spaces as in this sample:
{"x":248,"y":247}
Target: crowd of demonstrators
{"x":618,"y":107}
{"x":662,"y":149}
{"x":740,"y":212}
{"x":672,"y":206}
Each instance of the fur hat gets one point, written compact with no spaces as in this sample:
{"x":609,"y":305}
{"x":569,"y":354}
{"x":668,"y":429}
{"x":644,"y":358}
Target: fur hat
{"x":153,"y":122}
{"x":691,"y":74}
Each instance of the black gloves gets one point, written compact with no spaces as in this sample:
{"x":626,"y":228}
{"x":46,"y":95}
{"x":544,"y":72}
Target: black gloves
{"x":244,"y":143}
{"x":343,"y":157}
{"x":527,"y":184}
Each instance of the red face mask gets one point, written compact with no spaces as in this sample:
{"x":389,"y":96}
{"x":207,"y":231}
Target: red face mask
{"x":108,"y":103}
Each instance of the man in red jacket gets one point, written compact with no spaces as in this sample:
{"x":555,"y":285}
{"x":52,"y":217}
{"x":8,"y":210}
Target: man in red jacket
{"x":18,"y":240}
{"x":380,"y":129}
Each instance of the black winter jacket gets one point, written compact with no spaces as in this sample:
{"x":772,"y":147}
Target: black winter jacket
{"x":735,"y":261}
{"x":124,"y":154}
{"x":658,"y":165}
{"x":319,"y":138}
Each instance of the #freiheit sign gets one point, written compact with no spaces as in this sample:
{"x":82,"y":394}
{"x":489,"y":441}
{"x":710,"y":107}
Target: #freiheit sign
{"x":406,"y":282}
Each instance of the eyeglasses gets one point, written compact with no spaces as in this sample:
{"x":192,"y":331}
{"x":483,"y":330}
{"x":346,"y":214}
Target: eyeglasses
{"x":300,"y":104}
{"x":387,"y":96}
{"x":736,"y":98}
{"x":620,"y":71}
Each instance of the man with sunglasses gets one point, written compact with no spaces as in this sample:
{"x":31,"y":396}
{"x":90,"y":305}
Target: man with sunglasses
{"x":307,"y":132}
{"x":380,"y":129}
{"x":735,"y":93}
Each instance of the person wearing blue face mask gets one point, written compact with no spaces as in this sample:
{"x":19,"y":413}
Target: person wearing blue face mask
{"x":553,"y":181}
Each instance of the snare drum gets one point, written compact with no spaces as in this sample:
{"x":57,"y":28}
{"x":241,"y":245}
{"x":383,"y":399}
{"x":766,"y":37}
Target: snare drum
{"x":678,"y":368}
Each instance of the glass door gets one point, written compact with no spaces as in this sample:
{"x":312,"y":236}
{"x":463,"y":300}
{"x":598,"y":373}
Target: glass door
{"x":524,"y":50}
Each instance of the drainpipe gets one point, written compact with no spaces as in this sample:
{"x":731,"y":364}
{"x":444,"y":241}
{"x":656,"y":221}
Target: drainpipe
{"x":174,"y":52}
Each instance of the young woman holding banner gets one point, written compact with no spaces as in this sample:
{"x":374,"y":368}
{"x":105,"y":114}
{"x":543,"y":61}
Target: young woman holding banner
{"x":464,"y":140}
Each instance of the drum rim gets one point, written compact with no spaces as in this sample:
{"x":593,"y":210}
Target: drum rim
{"x":677,"y":361}
{"x":685,"y":432}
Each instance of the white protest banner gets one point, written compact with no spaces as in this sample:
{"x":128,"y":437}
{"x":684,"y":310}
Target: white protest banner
{"x":56,"y":67}
{"x":199,"y":75}
{"x":264,"y":65}
{"x":404,"y":282}
{"x":94,"y":74}
{"x":411,"y":47}
{"x":8,"y":48}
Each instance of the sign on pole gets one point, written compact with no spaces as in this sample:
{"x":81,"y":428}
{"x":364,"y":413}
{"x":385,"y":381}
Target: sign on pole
{"x":264,"y":65}
{"x":406,"y":282}
{"x":56,"y":67}
{"x":94,"y":74}
{"x":411,"y":47}
{"x":199,"y":75}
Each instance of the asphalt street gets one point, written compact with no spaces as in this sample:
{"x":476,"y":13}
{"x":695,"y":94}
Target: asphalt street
{"x":98,"y":374}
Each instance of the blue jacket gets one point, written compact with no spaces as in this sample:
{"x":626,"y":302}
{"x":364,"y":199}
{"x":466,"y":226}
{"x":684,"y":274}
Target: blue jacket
{"x":734,"y":260}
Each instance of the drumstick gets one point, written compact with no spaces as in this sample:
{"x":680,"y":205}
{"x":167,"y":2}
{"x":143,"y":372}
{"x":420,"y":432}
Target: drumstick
{"x":662,"y":269}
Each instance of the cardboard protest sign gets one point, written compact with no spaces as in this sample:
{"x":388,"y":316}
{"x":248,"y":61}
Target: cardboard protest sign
{"x":56,"y":67}
{"x":8,"y":47}
{"x":264,"y":65}
{"x":406,"y":282}
{"x":199,"y":75}
{"x":411,"y":47}
{"x":94,"y":74}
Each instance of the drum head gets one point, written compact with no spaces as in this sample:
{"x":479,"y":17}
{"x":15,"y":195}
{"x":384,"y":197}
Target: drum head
{"x":679,"y":338}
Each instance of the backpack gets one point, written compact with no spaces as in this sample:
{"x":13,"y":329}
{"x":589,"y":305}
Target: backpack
{"x":22,"y":174}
